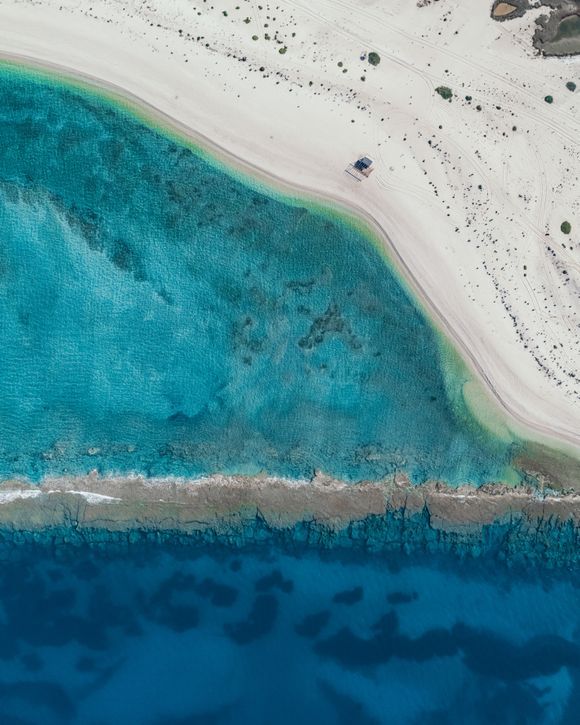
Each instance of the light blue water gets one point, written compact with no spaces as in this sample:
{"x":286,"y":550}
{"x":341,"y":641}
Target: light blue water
{"x":233,"y":638}
{"x":157,"y":315}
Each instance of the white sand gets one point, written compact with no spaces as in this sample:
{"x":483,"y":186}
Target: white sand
{"x":492,"y":262}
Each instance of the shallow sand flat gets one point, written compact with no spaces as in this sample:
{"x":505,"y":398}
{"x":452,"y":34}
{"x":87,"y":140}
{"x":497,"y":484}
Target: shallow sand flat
{"x":490,"y":260}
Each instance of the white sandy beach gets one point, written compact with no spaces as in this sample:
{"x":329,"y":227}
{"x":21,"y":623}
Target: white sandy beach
{"x":470,"y":200}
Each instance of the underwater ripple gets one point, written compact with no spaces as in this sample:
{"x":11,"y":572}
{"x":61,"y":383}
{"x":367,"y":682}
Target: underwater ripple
{"x":97,"y":637}
{"x":159,"y":315}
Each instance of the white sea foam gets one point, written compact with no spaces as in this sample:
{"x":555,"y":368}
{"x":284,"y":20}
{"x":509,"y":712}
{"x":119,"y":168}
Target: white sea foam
{"x":14,"y":494}
{"x":92,"y":497}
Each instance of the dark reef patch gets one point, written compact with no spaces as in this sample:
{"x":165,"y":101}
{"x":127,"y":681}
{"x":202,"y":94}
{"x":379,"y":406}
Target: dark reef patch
{"x":172,"y":606}
{"x":349,"y":596}
{"x":38,"y":693}
{"x":275,"y":580}
{"x":347,"y":709}
{"x":260,"y":621}
{"x":401,"y":597}
{"x":312,"y":625}
{"x":220,"y":595}
{"x":483,"y":652}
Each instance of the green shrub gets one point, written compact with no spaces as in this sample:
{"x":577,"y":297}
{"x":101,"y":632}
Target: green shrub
{"x":444,"y":92}
{"x":549,"y":99}
{"x":565,"y":227}
{"x":571,"y":86}
{"x":282,"y":50}
{"x":374,"y":58}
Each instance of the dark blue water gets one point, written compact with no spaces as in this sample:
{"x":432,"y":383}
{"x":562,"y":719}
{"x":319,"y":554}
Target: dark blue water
{"x":158,"y":315}
{"x":171,"y":636}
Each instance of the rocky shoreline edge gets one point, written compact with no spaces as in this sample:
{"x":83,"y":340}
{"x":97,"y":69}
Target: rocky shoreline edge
{"x":514,"y":525}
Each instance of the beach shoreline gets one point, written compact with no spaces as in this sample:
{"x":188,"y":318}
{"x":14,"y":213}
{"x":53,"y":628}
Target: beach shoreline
{"x":184,"y":100}
{"x":485,"y":395}
{"x":127,"y":504}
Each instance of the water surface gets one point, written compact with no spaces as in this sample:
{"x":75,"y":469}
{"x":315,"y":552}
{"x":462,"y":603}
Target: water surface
{"x":159,"y":315}
{"x":192,"y":636}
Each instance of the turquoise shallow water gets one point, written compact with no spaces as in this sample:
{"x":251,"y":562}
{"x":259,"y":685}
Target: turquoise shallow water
{"x":158,"y":315}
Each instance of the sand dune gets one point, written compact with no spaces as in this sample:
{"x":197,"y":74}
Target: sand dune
{"x":469,"y":194}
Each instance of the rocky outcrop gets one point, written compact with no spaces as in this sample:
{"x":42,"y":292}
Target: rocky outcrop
{"x":507,"y":524}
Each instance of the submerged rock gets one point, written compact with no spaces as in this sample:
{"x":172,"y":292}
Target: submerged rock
{"x":513,"y":525}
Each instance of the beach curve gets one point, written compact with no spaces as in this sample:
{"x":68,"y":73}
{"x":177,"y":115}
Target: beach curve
{"x":254,"y":175}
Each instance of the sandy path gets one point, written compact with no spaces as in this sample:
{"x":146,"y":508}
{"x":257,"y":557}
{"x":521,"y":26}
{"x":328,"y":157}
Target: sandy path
{"x":488,"y":262}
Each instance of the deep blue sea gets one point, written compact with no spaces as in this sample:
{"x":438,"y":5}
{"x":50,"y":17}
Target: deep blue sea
{"x":166,"y":636}
{"x":158,"y":315}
